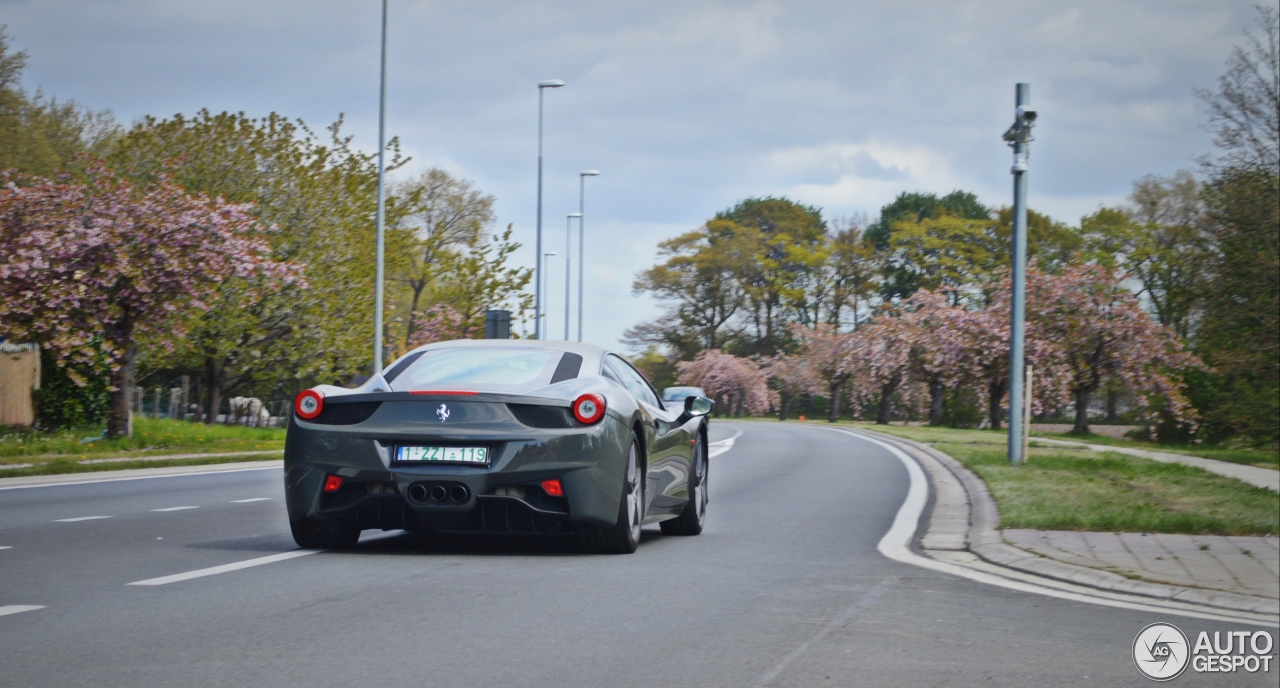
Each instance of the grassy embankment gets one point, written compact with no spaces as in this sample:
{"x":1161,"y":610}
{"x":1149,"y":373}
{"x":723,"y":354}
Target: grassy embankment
{"x":63,"y":452}
{"x":1079,"y":489}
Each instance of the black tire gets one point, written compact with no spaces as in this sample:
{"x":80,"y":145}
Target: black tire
{"x":623,"y":537}
{"x":325,"y":533}
{"x":690,"y":521}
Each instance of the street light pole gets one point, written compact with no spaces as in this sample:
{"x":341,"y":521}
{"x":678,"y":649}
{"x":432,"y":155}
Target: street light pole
{"x":568,"y":266}
{"x":546,"y":258}
{"x":582,"y":219}
{"x":382,"y":199}
{"x":1019,"y":136}
{"x":537,"y":290}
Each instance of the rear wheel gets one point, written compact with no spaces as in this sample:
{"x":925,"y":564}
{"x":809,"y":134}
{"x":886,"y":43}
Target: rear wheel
{"x":624,"y":536}
{"x":325,"y":533}
{"x":690,"y":521}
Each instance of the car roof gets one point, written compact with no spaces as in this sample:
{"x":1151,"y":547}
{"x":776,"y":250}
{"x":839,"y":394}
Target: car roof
{"x":590,"y":353}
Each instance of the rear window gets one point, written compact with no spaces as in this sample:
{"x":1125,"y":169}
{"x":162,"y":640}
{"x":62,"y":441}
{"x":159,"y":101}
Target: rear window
{"x":495,"y":369}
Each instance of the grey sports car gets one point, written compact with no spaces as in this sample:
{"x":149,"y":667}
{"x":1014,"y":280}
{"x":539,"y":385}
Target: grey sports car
{"x":497,"y":436}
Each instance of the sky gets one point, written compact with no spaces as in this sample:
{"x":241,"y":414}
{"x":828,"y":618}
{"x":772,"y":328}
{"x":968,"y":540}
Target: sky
{"x":685,"y":107}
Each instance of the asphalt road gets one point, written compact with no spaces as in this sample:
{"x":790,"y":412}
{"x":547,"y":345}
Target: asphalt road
{"x":785,"y":587}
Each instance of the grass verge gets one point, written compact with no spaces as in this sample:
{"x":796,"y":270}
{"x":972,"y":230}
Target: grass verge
{"x":1261,"y":458}
{"x":1065,"y":489}
{"x":151,"y":437}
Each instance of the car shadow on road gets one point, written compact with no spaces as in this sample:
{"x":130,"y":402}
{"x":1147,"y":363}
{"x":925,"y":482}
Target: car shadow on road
{"x":468,"y":544}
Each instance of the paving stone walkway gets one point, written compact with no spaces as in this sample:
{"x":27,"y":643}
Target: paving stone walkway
{"x":1243,"y":565}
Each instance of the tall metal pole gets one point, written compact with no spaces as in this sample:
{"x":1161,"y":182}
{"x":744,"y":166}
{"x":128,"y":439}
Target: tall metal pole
{"x":568,"y":267}
{"x":546,"y":258}
{"x":582,"y":219}
{"x":537,"y":289}
{"x":1019,"y":136}
{"x":382,"y":199}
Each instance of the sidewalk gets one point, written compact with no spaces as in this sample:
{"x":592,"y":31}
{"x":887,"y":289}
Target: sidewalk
{"x":1212,"y":574}
{"x":1258,"y":477}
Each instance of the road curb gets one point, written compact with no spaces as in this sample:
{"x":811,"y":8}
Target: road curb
{"x":82,"y":478}
{"x":964,"y":518}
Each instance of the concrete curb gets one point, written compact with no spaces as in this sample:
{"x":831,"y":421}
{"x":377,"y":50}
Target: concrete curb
{"x":964,"y":518}
{"x":133,"y":474}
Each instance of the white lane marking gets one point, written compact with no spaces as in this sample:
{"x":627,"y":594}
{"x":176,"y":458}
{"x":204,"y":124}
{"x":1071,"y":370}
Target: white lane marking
{"x":6,"y":546}
{"x":275,"y":466}
{"x":721,"y":446}
{"x":252,"y":499}
{"x":176,"y":508}
{"x":226,"y":568}
{"x":19,"y":608}
{"x":896,"y":545}
{"x":80,"y":518}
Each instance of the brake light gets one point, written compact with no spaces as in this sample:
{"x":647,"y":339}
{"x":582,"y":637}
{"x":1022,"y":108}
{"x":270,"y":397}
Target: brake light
{"x":333,"y":483}
{"x":553,"y":487}
{"x":308,"y":404}
{"x":588,"y":408}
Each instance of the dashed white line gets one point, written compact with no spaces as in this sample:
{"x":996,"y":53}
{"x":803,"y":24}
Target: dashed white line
{"x":252,"y":499}
{"x":226,"y":568}
{"x":6,"y":546}
{"x":78,"y":518}
{"x":19,"y":608}
{"x":176,"y":508}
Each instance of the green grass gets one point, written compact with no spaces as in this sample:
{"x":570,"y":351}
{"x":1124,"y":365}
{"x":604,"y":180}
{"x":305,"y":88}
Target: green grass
{"x":1065,"y":489}
{"x":150,"y":438}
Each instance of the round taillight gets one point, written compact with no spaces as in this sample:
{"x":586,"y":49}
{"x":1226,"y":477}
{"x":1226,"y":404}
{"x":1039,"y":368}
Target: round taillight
{"x":309,"y":404}
{"x":588,"y":408}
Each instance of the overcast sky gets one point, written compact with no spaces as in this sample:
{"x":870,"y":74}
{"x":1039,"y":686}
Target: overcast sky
{"x":686,"y":107}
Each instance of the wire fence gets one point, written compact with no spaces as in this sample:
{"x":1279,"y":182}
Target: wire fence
{"x":178,"y":403}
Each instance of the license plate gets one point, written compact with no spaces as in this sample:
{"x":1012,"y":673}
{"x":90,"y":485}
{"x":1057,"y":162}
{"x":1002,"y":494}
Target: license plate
{"x":475,"y":455}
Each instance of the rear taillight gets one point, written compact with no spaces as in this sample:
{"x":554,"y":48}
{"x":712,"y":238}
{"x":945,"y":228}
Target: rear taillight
{"x":553,"y":487}
{"x":588,"y":408}
{"x":333,"y":483}
{"x":308,"y":404}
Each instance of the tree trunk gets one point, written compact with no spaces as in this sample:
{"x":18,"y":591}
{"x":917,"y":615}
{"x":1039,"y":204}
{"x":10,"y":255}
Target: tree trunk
{"x":120,"y":412}
{"x":1113,"y":399}
{"x":995,"y":394}
{"x":213,"y":392}
{"x":882,"y":414}
{"x":785,"y":406}
{"x":833,"y":405}
{"x":1082,"y":412}
{"x":936,"y":402}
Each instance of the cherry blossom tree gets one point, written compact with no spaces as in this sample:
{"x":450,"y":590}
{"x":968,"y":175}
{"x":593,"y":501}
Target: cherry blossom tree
{"x":941,"y":355}
{"x":828,"y":355}
{"x":1103,"y":334}
{"x":738,"y":384}
{"x":101,"y":260}
{"x":438,"y":323}
{"x":790,"y":376}
{"x":881,"y":352}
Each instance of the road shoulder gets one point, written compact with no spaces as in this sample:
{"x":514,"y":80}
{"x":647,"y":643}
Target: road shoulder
{"x":134,"y":474}
{"x":963,"y":525}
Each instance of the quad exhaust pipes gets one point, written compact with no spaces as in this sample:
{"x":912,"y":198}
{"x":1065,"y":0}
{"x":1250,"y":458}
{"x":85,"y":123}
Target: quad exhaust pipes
{"x":439,"y":493}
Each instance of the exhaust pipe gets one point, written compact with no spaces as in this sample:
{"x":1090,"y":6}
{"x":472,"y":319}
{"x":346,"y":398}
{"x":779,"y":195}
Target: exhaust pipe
{"x":439,"y":493}
{"x":459,"y":493}
{"x":417,"y":492}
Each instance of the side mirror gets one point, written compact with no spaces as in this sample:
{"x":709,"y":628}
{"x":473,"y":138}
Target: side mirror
{"x":695,"y":407}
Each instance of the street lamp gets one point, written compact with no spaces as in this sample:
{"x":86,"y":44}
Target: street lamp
{"x":546,"y":258}
{"x":582,"y":201}
{"x":537,"y":295}
{"x":1019,"y":136}
{"x":568,"y":263}
{"x":382,"y":201}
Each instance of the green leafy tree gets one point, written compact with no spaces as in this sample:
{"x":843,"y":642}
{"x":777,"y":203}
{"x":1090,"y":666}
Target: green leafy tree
{"x":1053,"y":244}
{"x":915,"y":207}
{"x":944,"y":252}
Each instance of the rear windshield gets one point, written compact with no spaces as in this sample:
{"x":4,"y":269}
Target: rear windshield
{"x":481,"y":369}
